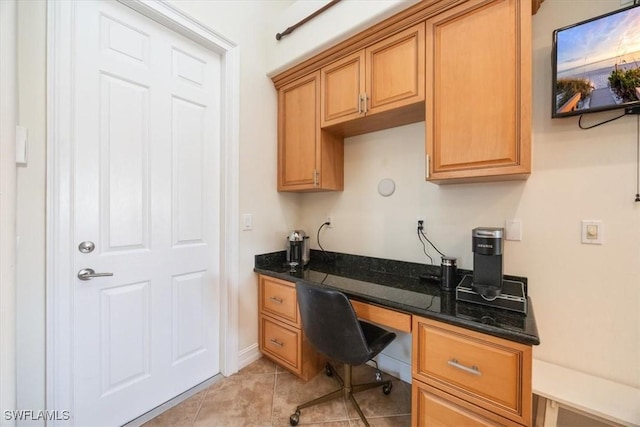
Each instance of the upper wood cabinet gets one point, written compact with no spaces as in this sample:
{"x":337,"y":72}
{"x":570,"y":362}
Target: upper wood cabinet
{"x":385,"y":76}
{"x":463,"y":66}
{"x":309,"y":159}
{"x":478,"y":91}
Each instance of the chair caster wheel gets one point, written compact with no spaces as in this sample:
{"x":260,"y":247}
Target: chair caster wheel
{"x":386,"y":389}
{"x":328,"y":371}
{"x":294,"y":419}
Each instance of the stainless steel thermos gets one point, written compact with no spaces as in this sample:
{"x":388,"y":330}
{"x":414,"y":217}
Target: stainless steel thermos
{"x":448,"y":271}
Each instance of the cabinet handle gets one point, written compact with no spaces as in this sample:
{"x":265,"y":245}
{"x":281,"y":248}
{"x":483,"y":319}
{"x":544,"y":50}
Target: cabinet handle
{"x":315,"y":177}
{"x":472,"y":370}
{"x":365,"y":98}
{"x":276,"y":342}
{"x":359,"y":103}
{"x":277,"y":300}
{"x":426,"y":166}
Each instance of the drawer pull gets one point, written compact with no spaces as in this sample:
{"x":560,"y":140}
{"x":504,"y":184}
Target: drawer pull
{"x":472,"y":370}
{"x":276,"y":342}
{"x":277,"y":300}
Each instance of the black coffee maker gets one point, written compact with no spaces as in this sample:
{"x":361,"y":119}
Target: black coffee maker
{"x":487,"y":261}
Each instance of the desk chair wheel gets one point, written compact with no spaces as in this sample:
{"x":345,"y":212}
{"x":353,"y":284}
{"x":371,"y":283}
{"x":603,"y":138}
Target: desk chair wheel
{"x":294,"y":419}
{"x":328,"y":370}
{"x":386,"y":389}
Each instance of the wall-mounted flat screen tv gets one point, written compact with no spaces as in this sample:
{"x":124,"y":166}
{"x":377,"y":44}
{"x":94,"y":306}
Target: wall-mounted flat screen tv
{"x":596,"y":64}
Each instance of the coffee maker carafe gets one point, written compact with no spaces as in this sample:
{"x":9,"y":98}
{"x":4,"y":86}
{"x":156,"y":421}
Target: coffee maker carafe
{"x":297,"y":248}
{"x":487,"y":261}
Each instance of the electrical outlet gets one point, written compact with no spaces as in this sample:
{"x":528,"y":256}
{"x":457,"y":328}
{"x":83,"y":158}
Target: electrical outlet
{"x":421,"y":222}
{"x":330,"y":221}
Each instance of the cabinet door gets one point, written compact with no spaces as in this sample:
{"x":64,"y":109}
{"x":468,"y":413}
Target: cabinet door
{"x":395,"y":71}
{"x":478,"y":91}
{"x":342,"y":89}
{"x":298,"y":133}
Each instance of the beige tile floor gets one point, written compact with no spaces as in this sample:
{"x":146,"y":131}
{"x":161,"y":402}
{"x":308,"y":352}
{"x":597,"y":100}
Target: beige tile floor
{"x":265,"y":395}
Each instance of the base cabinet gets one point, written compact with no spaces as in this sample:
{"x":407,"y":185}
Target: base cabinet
{"x":281,"y":336}
{"x":476,"y":375}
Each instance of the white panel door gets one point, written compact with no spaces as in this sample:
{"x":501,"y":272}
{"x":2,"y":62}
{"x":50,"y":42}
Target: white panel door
{"x":146,"y":193}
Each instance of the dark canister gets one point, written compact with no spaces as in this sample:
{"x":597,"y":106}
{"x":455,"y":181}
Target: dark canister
{"x":448,"y":271}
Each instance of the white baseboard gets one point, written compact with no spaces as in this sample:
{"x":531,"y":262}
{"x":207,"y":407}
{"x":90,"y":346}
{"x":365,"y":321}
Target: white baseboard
{"x":248,"y":355}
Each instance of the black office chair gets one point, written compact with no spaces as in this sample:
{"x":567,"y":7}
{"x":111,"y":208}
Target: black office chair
{"x":331,"y":326}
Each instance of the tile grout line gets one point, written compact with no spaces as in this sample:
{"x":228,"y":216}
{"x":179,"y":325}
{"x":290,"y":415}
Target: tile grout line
{"x":195,"y":417}
{"x":273,"y":393}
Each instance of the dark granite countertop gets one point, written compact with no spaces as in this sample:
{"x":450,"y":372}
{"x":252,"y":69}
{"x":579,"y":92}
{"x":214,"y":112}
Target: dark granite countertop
{"x":404,"y":286}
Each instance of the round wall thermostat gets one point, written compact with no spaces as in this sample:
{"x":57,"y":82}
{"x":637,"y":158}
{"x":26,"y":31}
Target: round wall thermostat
{"x":386,"y":187}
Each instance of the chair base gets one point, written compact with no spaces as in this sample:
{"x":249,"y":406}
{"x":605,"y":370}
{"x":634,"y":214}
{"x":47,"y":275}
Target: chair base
{"x":346,"y":390}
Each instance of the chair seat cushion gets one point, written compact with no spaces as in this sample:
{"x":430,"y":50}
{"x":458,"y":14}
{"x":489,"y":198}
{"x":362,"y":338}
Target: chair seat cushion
{"x":377,"y":338}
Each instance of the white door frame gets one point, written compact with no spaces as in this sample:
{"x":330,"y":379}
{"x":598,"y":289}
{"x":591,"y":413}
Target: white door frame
{"x":59,"y":233}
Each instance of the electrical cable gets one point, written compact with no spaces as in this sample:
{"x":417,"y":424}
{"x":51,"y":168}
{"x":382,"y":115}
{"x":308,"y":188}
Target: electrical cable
{"x":598,"y":124}
{"x":424,"y":247}
{"x":637,"y":158}
{"x":318,"y":236}
{"x":432,"y":245}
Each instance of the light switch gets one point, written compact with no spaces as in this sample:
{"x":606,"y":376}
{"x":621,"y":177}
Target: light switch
{"x":247,"y":222}
{"x":592,"y":232}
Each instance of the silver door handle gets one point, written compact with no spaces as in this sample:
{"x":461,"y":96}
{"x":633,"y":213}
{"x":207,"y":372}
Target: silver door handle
{"x":89,"y":273}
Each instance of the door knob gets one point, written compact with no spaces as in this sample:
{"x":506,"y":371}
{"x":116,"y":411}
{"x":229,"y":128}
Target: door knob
{"x":89,"y":273}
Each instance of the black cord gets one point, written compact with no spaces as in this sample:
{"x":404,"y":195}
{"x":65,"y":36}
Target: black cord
{"x":598,"y":124}
{"x":638,"y":158}
{"x":424,"y":247}
{"x":318,"y":235}
{"x":427,"y":239}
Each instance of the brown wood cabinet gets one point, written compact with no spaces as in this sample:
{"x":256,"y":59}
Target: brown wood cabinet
{"x":478,"y":92}
{"x":469,"y":375}
{"x":387,"y":75}
{"x":462,"y":66}
{"x":309,"y":159}
{"x":280,"y":332}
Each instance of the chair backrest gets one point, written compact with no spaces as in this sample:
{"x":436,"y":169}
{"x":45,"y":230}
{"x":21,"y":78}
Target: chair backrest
{"x":331,"y":325}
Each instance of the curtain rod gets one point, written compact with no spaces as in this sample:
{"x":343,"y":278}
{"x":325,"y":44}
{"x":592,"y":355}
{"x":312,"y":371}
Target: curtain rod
{"x":305,"y":20}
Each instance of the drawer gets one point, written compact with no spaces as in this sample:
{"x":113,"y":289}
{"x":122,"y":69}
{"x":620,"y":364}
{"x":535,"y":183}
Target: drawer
{"x":282,"y":342}
{"x":383,"y":316}
{"x":278,"y":298}
{"x":490,"y":372}
{"x":432,"y":407}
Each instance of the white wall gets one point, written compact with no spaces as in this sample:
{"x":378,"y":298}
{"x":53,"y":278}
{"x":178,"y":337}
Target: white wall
{"x":8,"y":121}
{"x":586,"y":298}
{"x":330,"y":27}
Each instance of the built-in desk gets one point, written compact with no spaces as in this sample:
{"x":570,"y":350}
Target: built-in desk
{"x":471,"y":364}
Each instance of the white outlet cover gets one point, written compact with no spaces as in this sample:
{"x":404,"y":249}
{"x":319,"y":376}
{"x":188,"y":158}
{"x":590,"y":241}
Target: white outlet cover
{"x":513,"y":229}
{"x":592,"y":233}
